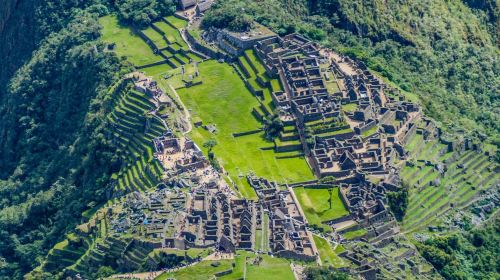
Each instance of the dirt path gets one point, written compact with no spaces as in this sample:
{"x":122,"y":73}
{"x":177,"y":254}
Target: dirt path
{"x":187,"y":115}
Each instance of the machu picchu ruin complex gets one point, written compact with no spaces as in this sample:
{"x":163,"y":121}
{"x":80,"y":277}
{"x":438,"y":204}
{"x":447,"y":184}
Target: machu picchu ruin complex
{"x":242,"y":153}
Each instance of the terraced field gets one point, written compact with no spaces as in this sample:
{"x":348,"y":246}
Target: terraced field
{"x":431,"y":193}
{"x":162,"y":35}
{"x":134,"y":130}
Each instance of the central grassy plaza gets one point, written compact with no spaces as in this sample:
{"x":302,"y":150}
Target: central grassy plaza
{"x":316,"y":206}
{"x":224,"y":101}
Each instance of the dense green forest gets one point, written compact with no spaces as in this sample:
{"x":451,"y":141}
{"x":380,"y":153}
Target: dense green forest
{"x":55,"y":160}
{"x":446,"y":52}
{"x":469,"y":255}
{"x":54,"y":142}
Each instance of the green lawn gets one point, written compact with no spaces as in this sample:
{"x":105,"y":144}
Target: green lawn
{"x":127,"y":42}
{"x":327,"y":254}
{"x":316,"y":207}
{"x":223,"y":100}
{"x":157,"y":71}
{"x":177,"y":22}
{"x":202,"y":271}
{"x":370,"y":131}
{"x":279,"y":268}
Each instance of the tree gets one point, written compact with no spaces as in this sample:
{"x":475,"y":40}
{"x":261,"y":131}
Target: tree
{"x":104,"y":271}
{"x":324,"y":273}
{"x":398,"y":202}
{"x":273,"y":126}
{"x":143,"y":12}
{"x":210,"y":144}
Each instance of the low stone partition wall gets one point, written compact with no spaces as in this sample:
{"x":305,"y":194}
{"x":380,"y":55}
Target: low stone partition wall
{"x":225,"y":272}
{"x":339,"y":220}
{"x":153,"y":64}
{"x":238,"y":134}
{"x":295,"y":256}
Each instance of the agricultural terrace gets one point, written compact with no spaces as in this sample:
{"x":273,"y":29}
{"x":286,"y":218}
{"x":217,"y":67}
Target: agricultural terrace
{"x":433,"y":194}
{"x":162,"y":35}
{"x":128,"y":119}
{"x":327,"y":255}
{"x":316,"y":206}
{"x":127,"y":42}
{"x":176,"y":22}
{"x":223,"y":101}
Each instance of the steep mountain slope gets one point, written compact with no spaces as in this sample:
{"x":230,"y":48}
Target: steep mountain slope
{"x":55,"y":159}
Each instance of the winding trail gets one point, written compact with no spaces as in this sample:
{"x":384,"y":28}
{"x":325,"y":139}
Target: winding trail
{"x":187,"y":115}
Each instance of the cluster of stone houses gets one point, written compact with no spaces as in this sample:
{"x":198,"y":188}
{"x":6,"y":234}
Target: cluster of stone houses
{"x":200,"y":6}
{"x":196,"y":208}
{"x":365,"y":140}
{"x":289,"y":237}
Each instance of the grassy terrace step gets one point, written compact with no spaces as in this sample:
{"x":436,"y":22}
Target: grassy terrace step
{"x":168,"y":54}
{"x":419,"y":201}
{"x":141,"y":104}
{"x":172,"y":34}
{"x":194,"y":56}
{"x":120,"y":115}
{"x":423,"y":213}
{"x":421,"y":174}
{"x":144,"y":98}
{"x":240,"y":70}
{"x":184,"y":59}
{"x":246,"y":64}
{"x":446,"y":156}
{"x":177,"y":22}
{"x":255,"y":61}
{"x":481,"y":161}
{"x":155,"y":37}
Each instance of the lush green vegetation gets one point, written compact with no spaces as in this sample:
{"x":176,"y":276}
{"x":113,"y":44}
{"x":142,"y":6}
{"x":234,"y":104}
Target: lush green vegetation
{"x":143,"y":12}
{"x":355,"y":233}
{"x":259,"y":267}
{"x":201,"y":271}
{"x":469,"y":255}
{"x":316,"y":205}
{"x":223,"y":100}
{"x":324,"y":273}
{"x":56,"y":160}
{"x":430,"y":193}
{"x":230,"y":17}
{"x":398,"y":202}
